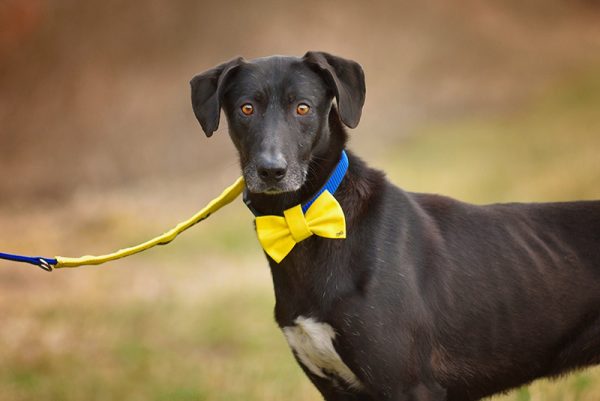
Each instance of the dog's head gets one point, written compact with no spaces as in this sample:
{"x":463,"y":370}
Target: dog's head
{"x":277,"y":109}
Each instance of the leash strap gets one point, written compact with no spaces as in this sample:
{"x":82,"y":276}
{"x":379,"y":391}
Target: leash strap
{"x":228,"y":195}
{"x":44,"y":263}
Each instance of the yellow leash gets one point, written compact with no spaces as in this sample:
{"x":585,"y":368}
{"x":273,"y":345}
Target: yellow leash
{"x":228,"y":195}
{"x":322,"y":215}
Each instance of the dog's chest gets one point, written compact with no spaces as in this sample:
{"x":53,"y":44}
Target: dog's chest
{"x":312,"y":342}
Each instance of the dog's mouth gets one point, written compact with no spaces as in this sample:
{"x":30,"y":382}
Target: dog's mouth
{"x":262,"y":188}
{"x":274,"y":191}
{"x":292,"y":182}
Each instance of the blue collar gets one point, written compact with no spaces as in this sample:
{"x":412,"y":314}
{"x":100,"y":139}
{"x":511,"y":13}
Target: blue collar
{"x":332,"y":184}
{"x":334,"y":181}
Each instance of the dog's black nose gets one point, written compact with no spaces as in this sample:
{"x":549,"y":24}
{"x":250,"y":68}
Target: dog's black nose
{"x":272,"y":169}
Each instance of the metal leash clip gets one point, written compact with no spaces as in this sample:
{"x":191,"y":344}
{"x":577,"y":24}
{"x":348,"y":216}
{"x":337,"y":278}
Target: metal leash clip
{"x":44,"y":265}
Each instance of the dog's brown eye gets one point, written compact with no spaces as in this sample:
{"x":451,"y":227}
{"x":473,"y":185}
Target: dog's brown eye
{"x":302,"y":109}
{"x":247,"y":109}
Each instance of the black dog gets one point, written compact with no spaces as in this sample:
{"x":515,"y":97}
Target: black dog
{"x":427,"y":298}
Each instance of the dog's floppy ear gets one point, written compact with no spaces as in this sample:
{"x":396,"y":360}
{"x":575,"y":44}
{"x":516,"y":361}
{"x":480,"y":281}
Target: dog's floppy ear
{"x":206,"y":94}
{"x":348,"y":83}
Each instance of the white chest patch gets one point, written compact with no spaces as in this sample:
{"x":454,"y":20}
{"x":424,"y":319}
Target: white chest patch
{"x":312,"y":342}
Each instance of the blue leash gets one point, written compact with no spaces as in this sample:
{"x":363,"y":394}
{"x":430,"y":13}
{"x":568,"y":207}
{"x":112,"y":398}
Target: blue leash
{"x":43,"y":263}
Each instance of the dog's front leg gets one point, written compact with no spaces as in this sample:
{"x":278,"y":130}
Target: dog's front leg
{"x":332,"y":391}
{"x":421,"y":392}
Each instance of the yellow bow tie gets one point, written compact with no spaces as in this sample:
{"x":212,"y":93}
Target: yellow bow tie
{"x":278,"y":235}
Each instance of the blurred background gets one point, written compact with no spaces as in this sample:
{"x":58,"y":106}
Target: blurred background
{"x":99,"y":149}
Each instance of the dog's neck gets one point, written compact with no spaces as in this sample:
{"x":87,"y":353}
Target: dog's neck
{"x":325,"y":157}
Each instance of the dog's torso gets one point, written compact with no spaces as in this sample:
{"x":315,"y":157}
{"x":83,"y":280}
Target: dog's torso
{"x":488,"y":297}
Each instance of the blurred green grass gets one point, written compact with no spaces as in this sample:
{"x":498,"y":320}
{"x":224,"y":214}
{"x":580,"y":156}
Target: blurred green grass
{"x":546,"y":151}
{"x":194,"y":321}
